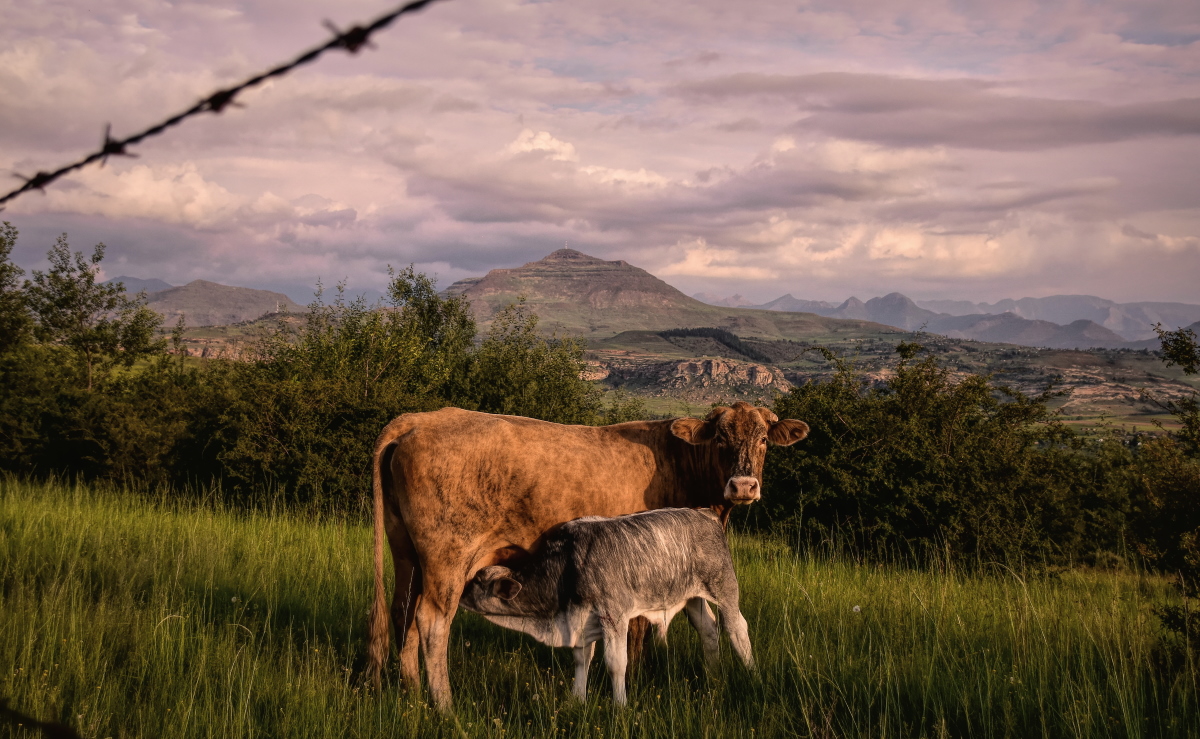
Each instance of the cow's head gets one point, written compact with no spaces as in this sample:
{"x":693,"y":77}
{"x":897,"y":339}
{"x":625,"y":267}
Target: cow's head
{"x":741,"y":433}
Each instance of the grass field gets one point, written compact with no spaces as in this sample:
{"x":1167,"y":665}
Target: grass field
{"x":129,"y":616}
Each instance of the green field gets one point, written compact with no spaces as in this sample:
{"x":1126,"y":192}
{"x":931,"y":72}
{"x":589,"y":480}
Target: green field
{"x":125,"y":615}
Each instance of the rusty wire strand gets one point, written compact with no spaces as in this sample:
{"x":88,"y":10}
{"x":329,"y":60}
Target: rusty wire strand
{"x":352,"y":40}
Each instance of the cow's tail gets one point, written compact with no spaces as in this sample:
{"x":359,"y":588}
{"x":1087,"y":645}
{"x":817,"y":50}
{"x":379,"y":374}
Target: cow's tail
{"x":377,"y":625}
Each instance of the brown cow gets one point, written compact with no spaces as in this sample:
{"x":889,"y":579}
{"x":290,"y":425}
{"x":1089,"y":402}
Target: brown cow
{"x":457,"y":491}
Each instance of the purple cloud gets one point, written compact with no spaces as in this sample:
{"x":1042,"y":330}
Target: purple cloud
{"x":939,"y":149}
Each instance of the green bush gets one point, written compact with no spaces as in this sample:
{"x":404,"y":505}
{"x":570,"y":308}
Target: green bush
{"x":925,"y":462}
{"x":307,"y":408}
{"x":86,"y":390}
{"x":1166,"y":490}
{"x":519,"y":373}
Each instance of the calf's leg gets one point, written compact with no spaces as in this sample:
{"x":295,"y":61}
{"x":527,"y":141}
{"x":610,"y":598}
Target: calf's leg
{"x":739,"y":633}
{"x":615,"y":656}
{"x":583,"y":660}
{"x":702,"y":621}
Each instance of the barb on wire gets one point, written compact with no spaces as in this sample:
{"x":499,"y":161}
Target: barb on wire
{"x":351,"y":40}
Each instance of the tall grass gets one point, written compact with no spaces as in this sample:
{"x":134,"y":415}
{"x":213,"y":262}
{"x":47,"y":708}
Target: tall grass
{"x":126,"y":616}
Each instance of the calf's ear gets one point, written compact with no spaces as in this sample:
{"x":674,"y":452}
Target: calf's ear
{"x":693,"y":430}
{"x":505,"y":588}
{"x":788,"y":431}
{"x":498,"y":581}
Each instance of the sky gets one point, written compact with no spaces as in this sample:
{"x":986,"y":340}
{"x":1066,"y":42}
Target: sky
{"x":962,"y":150}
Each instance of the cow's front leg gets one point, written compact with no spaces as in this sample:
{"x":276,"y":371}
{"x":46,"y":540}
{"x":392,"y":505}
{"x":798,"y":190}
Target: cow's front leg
{"x":583,"y":660}
{"x":616,"y":631}
{"x":702,"y":621}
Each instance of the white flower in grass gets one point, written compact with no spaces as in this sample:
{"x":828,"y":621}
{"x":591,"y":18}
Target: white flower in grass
{"x":856,"y":609}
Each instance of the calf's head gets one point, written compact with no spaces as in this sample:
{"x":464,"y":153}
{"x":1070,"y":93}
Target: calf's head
{"x":491,"y":592}
{"x":741,"y":433}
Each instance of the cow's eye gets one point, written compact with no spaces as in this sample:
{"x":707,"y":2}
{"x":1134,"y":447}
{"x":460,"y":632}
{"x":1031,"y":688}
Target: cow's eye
{"x":763,"y":440}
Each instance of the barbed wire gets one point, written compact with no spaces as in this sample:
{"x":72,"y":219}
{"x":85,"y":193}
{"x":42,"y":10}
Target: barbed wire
{"x":351,"y":40}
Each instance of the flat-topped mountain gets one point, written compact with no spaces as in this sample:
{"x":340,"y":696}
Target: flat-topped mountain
{"x":569,"y":275}
{"x":204,"y":303}
{"x":575,"y":293}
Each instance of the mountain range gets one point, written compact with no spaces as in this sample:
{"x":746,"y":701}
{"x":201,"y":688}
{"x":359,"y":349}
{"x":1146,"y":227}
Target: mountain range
{"x":1060,"y":321}
{"x":204,"y":303}
{"x":574,"y":293}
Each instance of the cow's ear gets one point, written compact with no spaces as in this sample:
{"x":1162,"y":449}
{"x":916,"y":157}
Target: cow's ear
{"x":788,"y":431}
{"x":505,"y":588}
{"x":767,"y":415}
{"x":693,"y":430}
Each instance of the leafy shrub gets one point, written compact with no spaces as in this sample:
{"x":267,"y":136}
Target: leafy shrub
{"x":86,"y":390}
{"x":520,"y":373}
{"x":1166,"y":490}
{"x":311,"y":400}
{"x":928,"y":463}
{"x":15,"y":322}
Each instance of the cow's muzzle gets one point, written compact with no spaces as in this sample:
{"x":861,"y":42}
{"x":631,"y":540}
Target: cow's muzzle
{"x":740,"y":490}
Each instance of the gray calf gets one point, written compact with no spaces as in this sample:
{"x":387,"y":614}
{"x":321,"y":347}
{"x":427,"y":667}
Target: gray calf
{"x":593,"y":575}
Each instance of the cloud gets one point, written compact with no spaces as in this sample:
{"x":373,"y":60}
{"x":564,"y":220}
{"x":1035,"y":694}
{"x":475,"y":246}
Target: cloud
{"x":955,"y":112}
{"x":821,"y":149}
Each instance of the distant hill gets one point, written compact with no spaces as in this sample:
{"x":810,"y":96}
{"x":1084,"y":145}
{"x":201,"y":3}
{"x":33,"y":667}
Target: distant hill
{"x":789,"y":303}
{"x":137,"y":284}
{"x":204,"y":303}
{"x":733,"y":301}
{"x":1009,"y":327}
{"x":1132,"y":321}
{"x":897,"y":310}
{"x":575,"y":293}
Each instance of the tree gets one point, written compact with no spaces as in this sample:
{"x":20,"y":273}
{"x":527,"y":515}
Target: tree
{"x":323,"y":385}
{"x":1166,"y":526}
{"x":1180,"y":347}
{"x":14,"y":313}
{"x":518,"y":372}
{"x":99,"y":322}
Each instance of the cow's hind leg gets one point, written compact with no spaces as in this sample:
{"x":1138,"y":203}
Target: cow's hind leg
{"x":406,"y":570}
{"x":583,"y":660}
{"x":404,"y":612}
{"x":435,"y":611}
{"x":616,"y":657}
{"x":702,"y":621}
